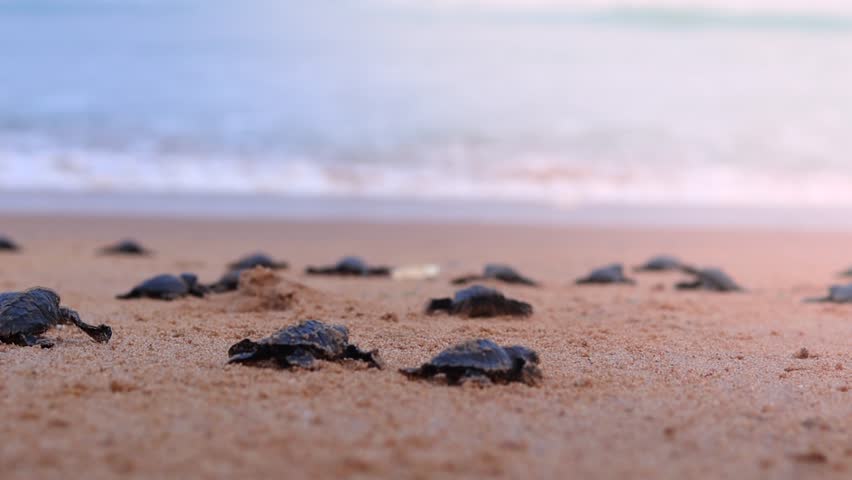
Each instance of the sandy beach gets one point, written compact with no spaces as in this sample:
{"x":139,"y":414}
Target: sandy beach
{"x":640,"y":381}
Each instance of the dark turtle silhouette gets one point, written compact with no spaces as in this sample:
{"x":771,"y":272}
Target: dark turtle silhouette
{"x":229,"y":282}
{"x":836,"y":294}
{"x":300,"y":345}
{"x":846,"y":273}
{"x":479,"y":301}
{"x":496,"y":271}
{"x":125,"y":247}
{"x":481,"y":360}
{"x":350,"y":266}
{"x":24,"y":316}
{"x":6,"y":244}
{"x":167,"y":287}
{"x":712,"y":279}
{"x":609,"y":274}
{"x":660,"y":263}
{"x":257,"y":260}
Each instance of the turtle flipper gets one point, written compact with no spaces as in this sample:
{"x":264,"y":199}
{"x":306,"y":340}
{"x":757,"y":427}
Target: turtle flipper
{"x":465,"y":279}
{"x":99,"y":333}
{"x":372,"y":357}
{"x":29,"y":340}
{"x":515,"y":307}
{"x":688,"y":285}
{"x":475,"y":379}
{"x":135,"y":293}
{"x":379,"y":272}
{"x":299,"y":358}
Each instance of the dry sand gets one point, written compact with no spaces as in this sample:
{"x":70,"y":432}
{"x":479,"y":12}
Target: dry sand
{"x":640,"y":381}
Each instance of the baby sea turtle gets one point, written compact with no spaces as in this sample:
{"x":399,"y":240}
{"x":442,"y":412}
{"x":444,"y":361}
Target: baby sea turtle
{"x":496,"y":271}
{"x":257,"y":260}
{"x":229,"y":282}
{"x":300,"y":345}
{"x":712,"y":279}
{"x":481,"y":360}
{"x":350,"y":266}
{"x":836,"y":294}
{"x":660,"y":263}
{"x":6,"y":244}
{"x":125,"y":247}
{"x":479,"y":301}
{"x":24,"y":316}
{"x":167,"y":287}
{"x":609,"y":274}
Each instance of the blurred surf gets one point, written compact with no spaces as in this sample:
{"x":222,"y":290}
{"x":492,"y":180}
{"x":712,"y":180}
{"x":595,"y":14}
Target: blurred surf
{"x":552,"y":105}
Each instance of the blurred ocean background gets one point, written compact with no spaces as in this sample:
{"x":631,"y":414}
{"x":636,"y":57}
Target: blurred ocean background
{"x":553,"y":103}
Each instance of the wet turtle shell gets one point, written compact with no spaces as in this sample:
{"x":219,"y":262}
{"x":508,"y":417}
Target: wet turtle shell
{"x":300,"y":345}
{"x":482,"y":360}
{"x":836,"y":294}
{"x":25,"y":316}
{"x":479,"y":301}
{"x":126,"y":247}
{"x":6,"y":244}
{"x":660,"y":263}
{"x":166,"y":287}
{"x":497,"y":271}
{"x":712,"y":279}
{"x":350,"y":266}
{"x":609,"y":274}
{"x":257,"y":260}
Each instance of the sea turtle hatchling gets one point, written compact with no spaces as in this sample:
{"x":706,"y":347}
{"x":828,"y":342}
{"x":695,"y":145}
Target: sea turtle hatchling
{"x":24,"y":316}
{"x":300,"y":345}
{"x":479,"y":301}
{"x":497,"y":271}
{"x":125,"y":247}
{"x":7,"y":245}
{"x":609,"y":274}
{"x":257,"y":260}
{"x":483,"y":361}
{"x":228,"y":282}
{"x":350,"y":266}
{"x":660,"y":263}
{"x":836,"y":294}
{"x":712,"y":279}
{"x":166,"y":287}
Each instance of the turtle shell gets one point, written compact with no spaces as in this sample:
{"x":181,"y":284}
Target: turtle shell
{"x":840,"y":293}
{"x":480,"y":354}
{"x":717,"y":279}
{"x":164,"y":284}
{"x":256,"y":260}
{"x":660,"y":263}
{"x":33,"y":311}
{"x":354,"y":265}
{"x":475,"y":291}
{"x":609,"y":274}
{"x":329,"y":340}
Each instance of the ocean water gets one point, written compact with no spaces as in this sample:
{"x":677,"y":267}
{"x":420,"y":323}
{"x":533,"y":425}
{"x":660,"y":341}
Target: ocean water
{"x":558,"y":103}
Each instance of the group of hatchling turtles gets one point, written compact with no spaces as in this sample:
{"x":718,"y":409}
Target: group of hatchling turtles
{"x":26,"y":316}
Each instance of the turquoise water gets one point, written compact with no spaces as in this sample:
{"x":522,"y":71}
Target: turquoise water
{"x":551,"y":105}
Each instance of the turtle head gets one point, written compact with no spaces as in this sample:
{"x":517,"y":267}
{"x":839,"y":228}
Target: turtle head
{"x":192,"y":285}
{"x":190,"y":279}
{"x":525,"y":364}
{"x":524,"y":354}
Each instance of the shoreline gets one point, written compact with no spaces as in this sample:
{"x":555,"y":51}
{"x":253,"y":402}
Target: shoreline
{"x":227,"y":207}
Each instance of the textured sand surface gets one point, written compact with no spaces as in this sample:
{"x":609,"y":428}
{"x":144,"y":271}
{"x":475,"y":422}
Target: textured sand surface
{"x":640,"y":381}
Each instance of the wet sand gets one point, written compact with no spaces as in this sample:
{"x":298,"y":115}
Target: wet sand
{"x":640,"y":381}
